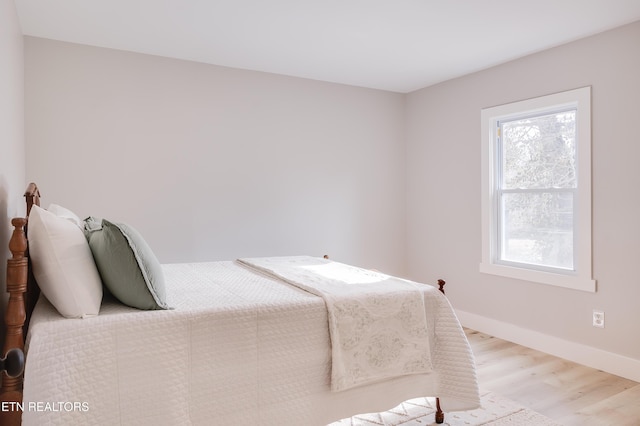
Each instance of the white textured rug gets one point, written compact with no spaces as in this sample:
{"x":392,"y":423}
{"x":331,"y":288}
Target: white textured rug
{"x":496,"y":411}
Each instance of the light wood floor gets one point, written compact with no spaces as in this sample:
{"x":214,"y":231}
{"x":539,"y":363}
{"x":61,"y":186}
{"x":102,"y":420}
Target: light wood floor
{"x":569,"y":393}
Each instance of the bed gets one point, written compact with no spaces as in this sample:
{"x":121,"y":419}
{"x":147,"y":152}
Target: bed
{"x":241,"y":343}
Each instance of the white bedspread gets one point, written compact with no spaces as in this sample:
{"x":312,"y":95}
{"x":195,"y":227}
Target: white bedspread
{"x":377,"y":323}
{"x":239,"y":348}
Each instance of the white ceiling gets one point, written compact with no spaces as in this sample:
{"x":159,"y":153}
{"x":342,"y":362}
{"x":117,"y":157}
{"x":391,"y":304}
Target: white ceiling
{"x":396,"y":45}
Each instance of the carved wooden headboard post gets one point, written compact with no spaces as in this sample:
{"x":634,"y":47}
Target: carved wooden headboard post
{"x":23,"y":294}
{"x":32,"y":195}
{"x":15,"y":315}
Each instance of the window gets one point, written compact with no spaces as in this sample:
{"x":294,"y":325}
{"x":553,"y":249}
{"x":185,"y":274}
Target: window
{"x":536,"y":178}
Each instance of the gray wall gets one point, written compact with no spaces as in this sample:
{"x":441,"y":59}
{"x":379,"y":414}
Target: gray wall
{"x":12,"y":161}
{"x":443,"y":222}
{"x":213,"y":163}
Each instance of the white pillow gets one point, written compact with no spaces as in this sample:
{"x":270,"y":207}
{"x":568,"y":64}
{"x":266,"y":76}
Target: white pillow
{"x":63,"y":265}
{"x":65,"y":213}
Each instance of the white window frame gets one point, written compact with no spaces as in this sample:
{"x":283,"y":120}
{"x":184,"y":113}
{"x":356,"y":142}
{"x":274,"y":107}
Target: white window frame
{"x":580,"y":278}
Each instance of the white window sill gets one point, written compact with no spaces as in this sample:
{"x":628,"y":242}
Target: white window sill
{"x":560,"y":280}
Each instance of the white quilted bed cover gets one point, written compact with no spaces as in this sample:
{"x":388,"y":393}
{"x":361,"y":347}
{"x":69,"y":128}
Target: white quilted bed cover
{"x":239,"y":348}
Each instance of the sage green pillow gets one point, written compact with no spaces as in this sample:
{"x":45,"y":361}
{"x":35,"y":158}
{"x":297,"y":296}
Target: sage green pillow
{"x":127,"y":265}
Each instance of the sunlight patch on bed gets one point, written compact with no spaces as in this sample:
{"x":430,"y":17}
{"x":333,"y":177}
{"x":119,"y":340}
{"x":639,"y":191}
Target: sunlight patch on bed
{"x":346,"y":274}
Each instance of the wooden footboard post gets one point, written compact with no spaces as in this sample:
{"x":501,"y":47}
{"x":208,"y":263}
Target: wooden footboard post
{"x":439,"y":412}
{"x":15,"y":316}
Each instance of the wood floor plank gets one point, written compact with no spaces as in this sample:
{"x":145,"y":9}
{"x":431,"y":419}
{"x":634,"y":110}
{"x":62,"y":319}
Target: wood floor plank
{"x":617,"y":408}
{"x":569,"y":393}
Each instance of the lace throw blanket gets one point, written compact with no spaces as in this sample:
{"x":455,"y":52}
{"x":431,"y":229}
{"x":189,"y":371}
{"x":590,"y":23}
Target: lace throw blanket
{"x":377,"y":322}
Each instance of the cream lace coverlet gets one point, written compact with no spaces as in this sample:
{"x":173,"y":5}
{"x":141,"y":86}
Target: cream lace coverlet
{"x":377,"y":323}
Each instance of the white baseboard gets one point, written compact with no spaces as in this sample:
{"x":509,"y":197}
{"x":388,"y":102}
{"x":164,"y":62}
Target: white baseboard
{"x":610,"y":362}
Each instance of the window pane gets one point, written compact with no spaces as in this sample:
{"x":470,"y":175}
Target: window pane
{"x":537,"y":228}
{"x":539,"y":152}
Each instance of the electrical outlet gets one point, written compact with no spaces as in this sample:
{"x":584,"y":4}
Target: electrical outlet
{"x":598,"y":318}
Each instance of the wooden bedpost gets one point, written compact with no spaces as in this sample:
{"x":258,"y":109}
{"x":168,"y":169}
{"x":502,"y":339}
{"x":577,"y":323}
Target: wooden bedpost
{"x":15,"y":317}
{"x":18,"y":310}
{"x":439,"y":412}
{"x":32,"y":196}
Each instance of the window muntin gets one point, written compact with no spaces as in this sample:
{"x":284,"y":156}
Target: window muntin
{"x":536,"y":180}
